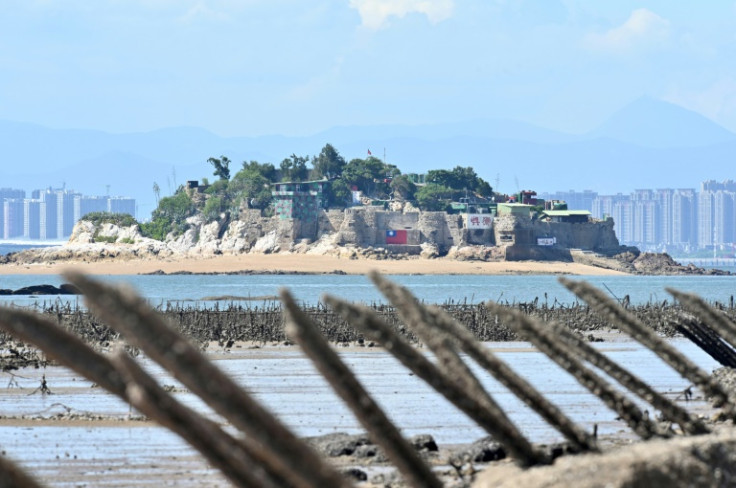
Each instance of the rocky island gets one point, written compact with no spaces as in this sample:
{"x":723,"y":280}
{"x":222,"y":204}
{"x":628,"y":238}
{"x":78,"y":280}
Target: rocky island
{"x":354,"y":216}
{"x":350,"y":241}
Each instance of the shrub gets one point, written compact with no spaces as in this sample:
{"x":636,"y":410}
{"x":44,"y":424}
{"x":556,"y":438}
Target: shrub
{"x":119,"y":219}
{"x":108,"y":239}
{"x":170,"y":216}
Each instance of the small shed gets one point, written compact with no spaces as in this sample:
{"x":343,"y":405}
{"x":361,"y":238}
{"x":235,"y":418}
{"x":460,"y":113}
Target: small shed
{"x":514,"y":209}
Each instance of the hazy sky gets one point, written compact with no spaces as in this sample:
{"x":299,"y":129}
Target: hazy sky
{"x":250,"y":67}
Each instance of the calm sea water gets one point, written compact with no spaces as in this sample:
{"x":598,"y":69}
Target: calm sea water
{"x":200,"y":289}
{"x":255,"y":289}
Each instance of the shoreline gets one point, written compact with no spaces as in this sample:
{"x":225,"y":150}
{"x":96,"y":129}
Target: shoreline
{"x":305,"y":264}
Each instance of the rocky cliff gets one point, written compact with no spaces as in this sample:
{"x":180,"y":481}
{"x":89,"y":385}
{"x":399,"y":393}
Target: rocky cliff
{"x":360,"y":231}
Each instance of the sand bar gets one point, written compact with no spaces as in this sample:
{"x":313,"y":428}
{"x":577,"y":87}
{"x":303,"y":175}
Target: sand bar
{"x":306,"y":263}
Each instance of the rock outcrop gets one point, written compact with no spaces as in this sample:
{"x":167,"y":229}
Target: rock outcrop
{"x":690,"y":461}
{"x":363,"y":232}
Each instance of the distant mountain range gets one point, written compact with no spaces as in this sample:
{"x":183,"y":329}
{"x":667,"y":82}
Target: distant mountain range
{"x":647,"y":144}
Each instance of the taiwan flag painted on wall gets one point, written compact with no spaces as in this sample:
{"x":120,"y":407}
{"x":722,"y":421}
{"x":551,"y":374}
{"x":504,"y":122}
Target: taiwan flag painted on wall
{"x":395,"y":237}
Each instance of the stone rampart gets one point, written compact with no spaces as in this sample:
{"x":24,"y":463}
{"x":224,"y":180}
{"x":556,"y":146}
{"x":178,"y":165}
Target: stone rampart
{"x":597,"y":236}
{"x":439,"y":232}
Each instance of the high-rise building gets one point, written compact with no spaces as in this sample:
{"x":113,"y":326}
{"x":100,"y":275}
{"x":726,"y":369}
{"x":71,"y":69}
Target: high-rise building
{"x":645,"y":229}
{"x":31,"y":218}
{"x":623,"y":218}
{"x":12,"y":218}
{"x":122,"y":205}
{"x":713,"y":185}
{"x":684,"y":217}
{"x":84,"y":205}
{"x":48,"y":214}
{"x":64,"y":213}
{"x":716,"y":213}
{"x":11,"y":193}
{"x":575,"y":200}
{"x":664,"y":199}
{"x":705,"y":218}
{"x":602,"y":205}
{"x":8,"y":193}
{"x":52,"y":213}
{"x":723,"y":217}
{"x":56,"y":212}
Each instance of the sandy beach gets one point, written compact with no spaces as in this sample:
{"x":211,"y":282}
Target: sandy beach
{"x":305,"y":263}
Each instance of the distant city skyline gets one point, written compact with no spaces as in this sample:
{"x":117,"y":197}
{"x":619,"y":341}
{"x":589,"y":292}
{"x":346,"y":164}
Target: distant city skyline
{"x":665,"y":219}
{"x":50,"y":214}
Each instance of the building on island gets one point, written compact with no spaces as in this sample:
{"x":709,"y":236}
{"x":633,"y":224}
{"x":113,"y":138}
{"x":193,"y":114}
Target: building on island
{"x":301,"y":200}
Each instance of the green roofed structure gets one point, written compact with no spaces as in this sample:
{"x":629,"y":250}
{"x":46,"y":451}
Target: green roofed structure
{"x":514,"y":209}
{"x":571,"y":216}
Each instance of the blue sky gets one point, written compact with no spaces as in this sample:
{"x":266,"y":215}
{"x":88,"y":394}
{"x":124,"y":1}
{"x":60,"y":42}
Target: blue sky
{"x":294,"y":67}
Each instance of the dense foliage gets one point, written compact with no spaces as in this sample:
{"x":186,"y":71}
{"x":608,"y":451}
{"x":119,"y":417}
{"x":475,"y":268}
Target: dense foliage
{"x":169,"y":216}
{"x":460,"y":179}
{"x":433,"y":196}
{"x":250,"y":187}
{"x":119,"y":219}
{"x":294,"y":168}
{"x":329,"y":164}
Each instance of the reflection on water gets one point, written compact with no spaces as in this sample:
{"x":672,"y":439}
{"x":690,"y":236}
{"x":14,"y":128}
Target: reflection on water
{"x":285,"y":381}
{"x":116,"y":453}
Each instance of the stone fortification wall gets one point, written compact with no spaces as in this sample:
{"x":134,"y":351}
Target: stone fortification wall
{"x":441,"y":229}
{"x":596,"y":236}
{"x":366,"y":227}
{"x":330,"y":221}
{"x":436,"y":233}
{"x":514,"y":230}
{"x":385,"y":221}
{"x":355,"y":229}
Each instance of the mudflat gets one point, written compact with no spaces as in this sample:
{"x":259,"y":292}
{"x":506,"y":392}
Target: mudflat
{"x":305,"y":263}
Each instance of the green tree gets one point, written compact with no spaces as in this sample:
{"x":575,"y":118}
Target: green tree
{"x":338,"y":193}
{"x":294,"y":168}
{"x":444,"y":178}
{"x":433,"y":197}
{"x":403,"y":188}
{"x":460,"y":179}
{"x":169,"y":216}
{"x":484,"y":189}
{"x":252,"y":168}
{"x":371,"y":175}
{"x":222,"y":167}
{"x":251,"y":188}
{"x":329,"y":164}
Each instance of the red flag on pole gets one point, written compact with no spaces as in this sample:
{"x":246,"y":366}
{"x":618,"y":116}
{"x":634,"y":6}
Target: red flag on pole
{"x":369,"y":152}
